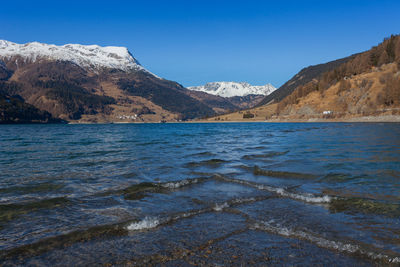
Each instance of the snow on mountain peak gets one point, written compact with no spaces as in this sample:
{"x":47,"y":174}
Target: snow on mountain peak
{"x":229,"y":89}
{"x":87,"y":56}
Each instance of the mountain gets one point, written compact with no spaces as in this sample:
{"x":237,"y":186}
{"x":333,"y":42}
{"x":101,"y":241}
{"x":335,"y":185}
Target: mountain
{"x":364,"y":86}
{"x":91,"y":57}
{"x":224,"y":97}
{"x":89,"y":83}
{"x":231,"y":89}
{"x":304,"y":76}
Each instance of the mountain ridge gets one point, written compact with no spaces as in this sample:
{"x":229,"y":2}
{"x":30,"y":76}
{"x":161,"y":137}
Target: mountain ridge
{"x":232,"y":89}
{"x":87,"y":56}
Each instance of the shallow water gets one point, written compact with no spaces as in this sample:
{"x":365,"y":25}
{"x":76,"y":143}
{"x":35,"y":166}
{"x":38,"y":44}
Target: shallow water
{"x":203,"y":194}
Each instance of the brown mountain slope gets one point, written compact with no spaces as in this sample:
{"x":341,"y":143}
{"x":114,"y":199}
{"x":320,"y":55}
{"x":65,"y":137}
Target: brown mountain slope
{"x":304,"y":76}
{"x":367,"y":84}
{"x":73,"y":93}
{"x":371,"y":93}
{"x":13,"y":108}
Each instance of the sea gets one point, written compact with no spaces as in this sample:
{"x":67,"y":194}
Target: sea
{"x":200,"y":194}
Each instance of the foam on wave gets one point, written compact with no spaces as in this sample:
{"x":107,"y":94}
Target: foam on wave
{"x":235,"y":201}
{"x":182,"y":183}
{"x":306,"y":197}
{"x":146,"y":223}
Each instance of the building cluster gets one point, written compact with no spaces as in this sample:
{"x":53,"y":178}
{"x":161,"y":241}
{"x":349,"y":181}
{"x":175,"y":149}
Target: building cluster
{"x":127,"y":117}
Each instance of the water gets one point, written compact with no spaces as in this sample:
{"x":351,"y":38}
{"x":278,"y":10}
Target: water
{"x":203,"y":194}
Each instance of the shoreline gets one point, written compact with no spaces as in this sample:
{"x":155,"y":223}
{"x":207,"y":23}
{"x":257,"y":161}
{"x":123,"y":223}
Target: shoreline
{"x":384,"y":118}
{"x":363,"y":119}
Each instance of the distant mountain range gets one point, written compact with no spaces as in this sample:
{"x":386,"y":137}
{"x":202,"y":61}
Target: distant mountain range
{"x":230,"y":96}
{"x":90,"y":83}
{"x":231,"y":89}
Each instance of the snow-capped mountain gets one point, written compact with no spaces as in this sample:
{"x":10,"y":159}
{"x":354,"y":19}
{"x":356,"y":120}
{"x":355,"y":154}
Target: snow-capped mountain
{"x":89,"y":83}
{"x":92,"y":57}
{"x":230,"y":89}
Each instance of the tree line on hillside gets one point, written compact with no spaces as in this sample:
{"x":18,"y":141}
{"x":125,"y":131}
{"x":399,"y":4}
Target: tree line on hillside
{"x":386,"y":52}
{"x":76,"y":99}
{"x":13,"y":109}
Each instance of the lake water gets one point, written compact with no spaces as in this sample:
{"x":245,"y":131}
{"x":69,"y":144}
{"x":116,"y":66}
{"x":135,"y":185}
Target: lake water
{"x":201,"y":194}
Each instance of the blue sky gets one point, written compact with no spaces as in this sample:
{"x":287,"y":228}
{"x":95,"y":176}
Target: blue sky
{"x":194,"y":42}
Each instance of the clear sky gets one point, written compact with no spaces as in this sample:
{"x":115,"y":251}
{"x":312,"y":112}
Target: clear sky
{"x":194,"y":42}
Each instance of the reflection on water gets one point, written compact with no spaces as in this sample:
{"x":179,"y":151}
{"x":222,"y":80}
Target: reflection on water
{"x":204,"y":194}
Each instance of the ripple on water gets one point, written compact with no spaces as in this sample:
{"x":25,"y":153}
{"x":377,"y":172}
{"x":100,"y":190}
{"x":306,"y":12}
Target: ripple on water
{"x":31,"y":188}
{"x":368,"y":206}
{"x":265,"y":155}
{"x":203,"y":154}
{"x":207,"y":163}
{"x":283,"y":174}
{"x":9,"y":212}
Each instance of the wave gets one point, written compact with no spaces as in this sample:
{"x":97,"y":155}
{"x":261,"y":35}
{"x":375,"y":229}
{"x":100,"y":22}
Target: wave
{"x":265,"y":155}
{"x":203,"y":154}
{"x":236,"y":201}
{"x":62,"y":241}
{"x":152,"y":222}
{"x":9,"y":212}
{"x":187,"y":214}
{"x":146,"y":223}
{"x":283,"y":174}
{"x":182,"y":183}
{"x":366,"y":206}
{"x":320,"y":241}
{"x":220,"y":207}
{"x":138,"y":191}
{"x":209,"y":163}
{"x":306,"y":197}
{"x":336,"y":202}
